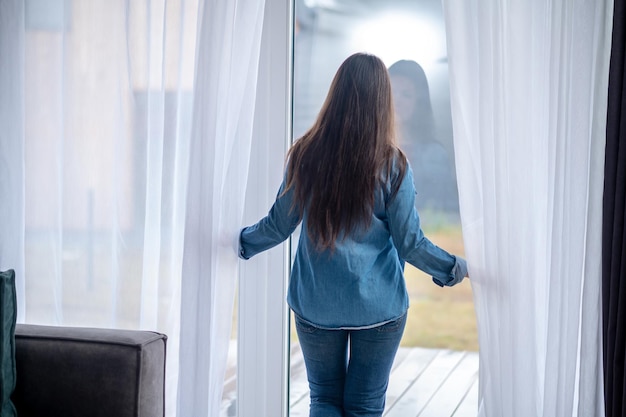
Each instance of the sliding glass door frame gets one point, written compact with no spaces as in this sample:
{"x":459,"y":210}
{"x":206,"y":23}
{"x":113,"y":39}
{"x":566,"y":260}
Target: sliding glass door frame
{"x":263,"y":315}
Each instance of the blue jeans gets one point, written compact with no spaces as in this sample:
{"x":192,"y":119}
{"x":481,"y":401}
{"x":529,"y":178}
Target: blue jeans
{"x":348,"y":370}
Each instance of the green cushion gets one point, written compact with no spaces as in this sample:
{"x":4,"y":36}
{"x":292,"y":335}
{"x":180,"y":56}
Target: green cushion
{"x":8,"y":315}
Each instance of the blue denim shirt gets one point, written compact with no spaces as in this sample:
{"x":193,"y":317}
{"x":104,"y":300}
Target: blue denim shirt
{"x":360,"y":284}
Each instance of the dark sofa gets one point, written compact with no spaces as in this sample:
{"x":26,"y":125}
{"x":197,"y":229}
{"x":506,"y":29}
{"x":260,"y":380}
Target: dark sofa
{"x":70,"y":371}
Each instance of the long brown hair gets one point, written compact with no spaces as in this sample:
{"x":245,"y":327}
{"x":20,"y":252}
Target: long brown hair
{"x":336,"y":165}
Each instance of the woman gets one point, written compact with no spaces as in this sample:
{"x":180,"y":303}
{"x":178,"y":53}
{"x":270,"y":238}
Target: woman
{"x":352,"y":189}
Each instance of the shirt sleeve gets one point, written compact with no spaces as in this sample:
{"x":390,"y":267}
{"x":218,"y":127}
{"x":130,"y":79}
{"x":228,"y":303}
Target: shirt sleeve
{"x":280,"y":222}
{"x":415,"y":248}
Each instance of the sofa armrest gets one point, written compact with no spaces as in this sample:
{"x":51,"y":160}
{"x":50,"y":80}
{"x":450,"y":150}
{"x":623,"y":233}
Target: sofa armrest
{"x":72,"y":371}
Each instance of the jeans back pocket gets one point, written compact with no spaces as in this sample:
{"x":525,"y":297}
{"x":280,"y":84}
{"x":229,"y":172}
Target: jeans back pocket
{"x":393,"y":326}
{"x":303,"y":326}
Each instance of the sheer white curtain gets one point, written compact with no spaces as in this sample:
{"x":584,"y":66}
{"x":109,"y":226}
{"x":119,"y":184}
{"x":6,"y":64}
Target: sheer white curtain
{"x":228,"y":61}
{"x":529,"y":85}
{"x":11,"y":143}
{"x":125,"y":130}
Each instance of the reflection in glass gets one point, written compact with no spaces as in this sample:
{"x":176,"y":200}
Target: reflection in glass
{"x":418,"y":138}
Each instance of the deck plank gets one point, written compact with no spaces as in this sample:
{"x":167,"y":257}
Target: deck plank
{"x":298,"y":384}
{"x":408,"y":369}
{"x":469,"y":405}
{"x":454,"y":389}
{"x":300,"y":409}
{"x":417,"y":396}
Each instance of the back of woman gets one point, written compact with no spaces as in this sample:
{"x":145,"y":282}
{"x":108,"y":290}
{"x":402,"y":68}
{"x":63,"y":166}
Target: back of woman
{"x":352,"y":189}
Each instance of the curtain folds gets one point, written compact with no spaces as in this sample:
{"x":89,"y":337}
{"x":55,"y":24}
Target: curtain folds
{"x":11,"y":142}
{"x":528,"y":85}
{"x":614,"y":216}
{"x":227,"y":64}
{"x":125,"y":135}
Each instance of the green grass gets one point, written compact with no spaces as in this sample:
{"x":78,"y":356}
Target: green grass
{"x":440,"y":317}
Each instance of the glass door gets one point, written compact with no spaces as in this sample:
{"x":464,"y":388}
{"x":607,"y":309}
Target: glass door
{"x":409,"y":36}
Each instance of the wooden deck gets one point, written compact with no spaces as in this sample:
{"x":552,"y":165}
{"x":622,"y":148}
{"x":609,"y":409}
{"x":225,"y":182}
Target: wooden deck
{"x":423,"y":383}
